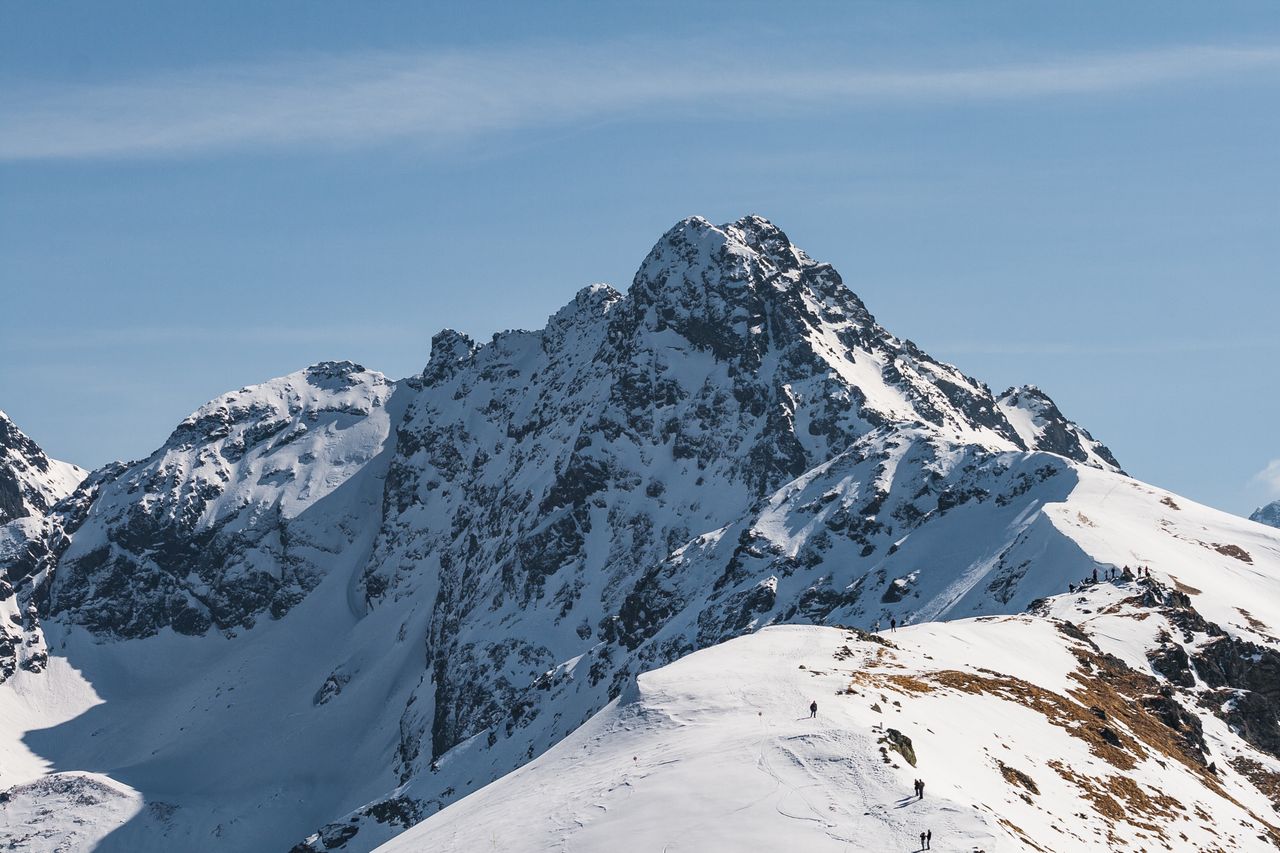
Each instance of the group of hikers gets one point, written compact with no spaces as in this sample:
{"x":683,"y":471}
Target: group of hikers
{"x":1111,"y":573}
{"x":926,"y":837}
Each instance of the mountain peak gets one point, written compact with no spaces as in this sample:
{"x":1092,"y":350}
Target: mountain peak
{"x":734,"y":288}
{"x":1041,"y":425}
{"x":333,"y":375}
{"x":30,"y":482}
{"x":449,"y":348}
{"x":1268,"y":515}
{"x":760,"y":234}
{"x":594,"y":299}
{"x":729,"y":252}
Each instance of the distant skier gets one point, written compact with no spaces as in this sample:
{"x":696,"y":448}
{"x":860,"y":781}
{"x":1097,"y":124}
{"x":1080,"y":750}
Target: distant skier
{"x":876,"y":629}
{"x":893,"y":623}
{"x":920,"y":789}
{"x":813,"y":709}
{"x":928,"y":840}
{"x":922,"y":838}
{"x":915,"y":786}
{"x":1095,"y":574}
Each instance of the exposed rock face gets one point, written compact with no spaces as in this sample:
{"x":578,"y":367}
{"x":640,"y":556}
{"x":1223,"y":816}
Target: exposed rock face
{"x":213,"y":529}
{"x":1041,"y":425}
{"x":30,"y":482}
{"x":31,"y":485}
{"x":1268,"y":515}
{"x":1239,"y":681}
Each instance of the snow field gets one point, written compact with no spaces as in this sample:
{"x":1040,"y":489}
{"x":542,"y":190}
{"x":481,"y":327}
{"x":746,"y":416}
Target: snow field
{"x":716,"y":752}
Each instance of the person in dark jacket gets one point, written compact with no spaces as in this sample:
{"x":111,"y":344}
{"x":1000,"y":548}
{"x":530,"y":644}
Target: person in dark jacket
{"x":813,"y":709}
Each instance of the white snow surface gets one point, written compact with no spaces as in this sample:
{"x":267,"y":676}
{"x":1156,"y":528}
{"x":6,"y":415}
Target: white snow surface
{"x":227,"y":740}
{"x":717,"y":752}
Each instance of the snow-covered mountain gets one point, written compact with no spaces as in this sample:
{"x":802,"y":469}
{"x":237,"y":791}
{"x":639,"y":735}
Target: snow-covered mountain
{"x":1268,"y":515}
{"x":331,"y":605}
{"x":30,"y":482}
{"x":1042,"y":426}
{"x":236,"y":515}
{"x":1187,"y":644}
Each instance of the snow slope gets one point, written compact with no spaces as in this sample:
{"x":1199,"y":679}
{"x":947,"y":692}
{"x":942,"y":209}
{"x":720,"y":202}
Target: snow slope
{"x":238,"y":742}
{"x":262,"y":503}
{"x":717,"y":752}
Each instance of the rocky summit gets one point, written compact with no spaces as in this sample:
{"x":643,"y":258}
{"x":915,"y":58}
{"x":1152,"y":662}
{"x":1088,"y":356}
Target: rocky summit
{"x":30,"y":482}
{"x":332,"y":605}
{"x":1268,"y":515}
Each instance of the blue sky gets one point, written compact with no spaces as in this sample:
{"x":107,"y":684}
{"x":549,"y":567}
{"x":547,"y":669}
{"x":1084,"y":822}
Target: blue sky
{"x":195,"y":197}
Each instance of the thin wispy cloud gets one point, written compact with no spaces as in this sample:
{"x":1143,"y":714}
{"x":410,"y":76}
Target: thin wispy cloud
{"x":449,"y":97}
{"x":1269,"y":478}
